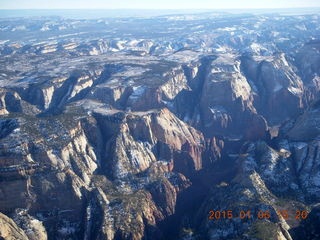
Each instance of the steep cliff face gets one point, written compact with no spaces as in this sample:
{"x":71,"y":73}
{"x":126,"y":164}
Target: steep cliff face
{"x":282,"y":177}
{"x":165,"y":83}
{"x":304,"y":146}
{"x":306,"y":126}
{"x":243,"y":198}
{"x":47,"y":163}
{"x":133,"y":214}
{"x":230,"y":109}
{"x":277,"y":89}
{"x":137,"y":140}
{"x":143,"y":153}
{"x":308,"y":64}
{"x":51,"y":170}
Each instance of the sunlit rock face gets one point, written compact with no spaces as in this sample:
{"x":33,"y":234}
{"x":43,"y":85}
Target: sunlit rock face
{"x":136,"y":128}
{"x":279,"y":90}
{"x":10,"y":230}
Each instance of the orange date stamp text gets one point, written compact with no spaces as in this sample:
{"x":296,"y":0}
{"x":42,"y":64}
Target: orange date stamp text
{"x":261,"y":214}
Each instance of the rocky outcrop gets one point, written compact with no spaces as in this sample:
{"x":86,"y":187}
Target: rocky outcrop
{"x":133,"y":215}
{"x":137,"y":128}
{"x":261,"y":184}
{"x":9,"y":229}
{"x":307,"y":62}
{"x":10,"y":102}
{"x":141,"y":139}
{"x":33,"y":228}
{"x":58,"y":178}
{"x":306,"y":127}
{"x":278,"y":91}
{"x":47,"y":171}
{"x":166,"y":82}
{"x":230,"y":108}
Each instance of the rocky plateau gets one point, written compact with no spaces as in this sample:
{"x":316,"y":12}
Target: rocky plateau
{"x":137,"y":128}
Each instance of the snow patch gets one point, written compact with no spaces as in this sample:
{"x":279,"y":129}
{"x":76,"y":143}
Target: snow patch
{"x":137,"y":92}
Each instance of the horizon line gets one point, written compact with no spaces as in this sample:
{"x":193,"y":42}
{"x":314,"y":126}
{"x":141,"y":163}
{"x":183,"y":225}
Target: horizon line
{"x":180,"y":9}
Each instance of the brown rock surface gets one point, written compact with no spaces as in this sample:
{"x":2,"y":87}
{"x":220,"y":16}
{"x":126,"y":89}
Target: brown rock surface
{"x":9,"y":229}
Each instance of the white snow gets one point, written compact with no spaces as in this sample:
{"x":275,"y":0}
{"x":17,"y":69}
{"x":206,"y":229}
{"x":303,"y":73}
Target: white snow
{"x":4,"y":41}
{"x":301,"y":27}
{"x":295,"y":91}
{"x":19,"y":28}
{"x":282,"y":39}
{"x":132,"y":72}
{"x":227,"y":29}
{"x":137,"y":92}
{"x":62,"y":28}
{"x":94,"y":51}
{"x":222,"y":49}
{"x":218,"y":110}
{"x":258,"y":49}
{"x":299,"y":145}
{"x":45,"y":28}
{"x":70,"y":46}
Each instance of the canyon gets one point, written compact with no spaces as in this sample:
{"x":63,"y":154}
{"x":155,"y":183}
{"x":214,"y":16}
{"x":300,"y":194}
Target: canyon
{"x":137,"y":128}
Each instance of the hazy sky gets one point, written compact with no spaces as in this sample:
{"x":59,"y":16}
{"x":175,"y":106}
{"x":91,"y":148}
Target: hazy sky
{"x":155,"y":4}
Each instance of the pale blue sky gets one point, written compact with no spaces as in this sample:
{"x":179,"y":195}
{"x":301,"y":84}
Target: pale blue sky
{"x":157,"y":4}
